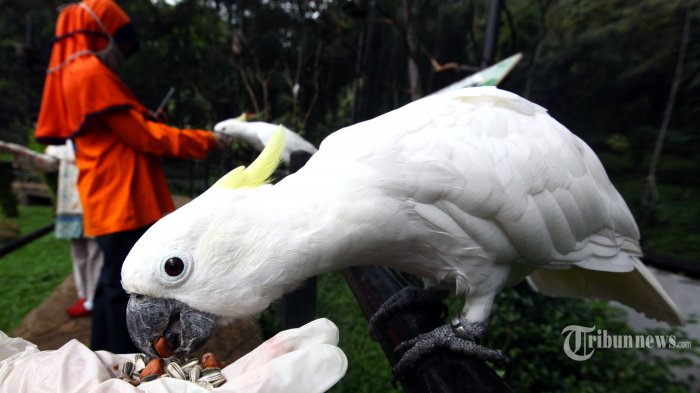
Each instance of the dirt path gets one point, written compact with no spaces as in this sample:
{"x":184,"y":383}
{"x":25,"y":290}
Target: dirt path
{"x":49,"y":327}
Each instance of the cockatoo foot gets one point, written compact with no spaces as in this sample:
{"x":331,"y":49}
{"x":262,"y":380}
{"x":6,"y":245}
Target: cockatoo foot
{"x":408,"y":297}
{"x":459,"y":337}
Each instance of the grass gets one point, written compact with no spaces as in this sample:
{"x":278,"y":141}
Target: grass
{"x":29,"y":274}
{"x":368,"y":368}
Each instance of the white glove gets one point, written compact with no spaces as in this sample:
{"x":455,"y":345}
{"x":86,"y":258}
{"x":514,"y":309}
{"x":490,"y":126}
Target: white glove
{"x":306,"y":359}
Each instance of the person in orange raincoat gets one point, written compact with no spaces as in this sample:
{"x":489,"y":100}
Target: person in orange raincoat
{"x":117,"y":146}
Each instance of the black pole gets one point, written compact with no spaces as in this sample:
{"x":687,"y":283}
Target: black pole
{"x":8,"y":199}
{"x":299,"y":306}
{"x":441,"y":370}
{"x":15,"y":244}
{"x":491,"y":37}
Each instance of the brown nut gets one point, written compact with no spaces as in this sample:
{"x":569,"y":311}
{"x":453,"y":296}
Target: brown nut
{"x":154,"y":367}
{"x":162,"y":347}
{"x":210,"y":360}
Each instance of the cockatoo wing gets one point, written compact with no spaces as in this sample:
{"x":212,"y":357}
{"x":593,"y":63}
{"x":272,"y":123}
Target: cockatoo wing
{"x":495,"y":178}
{"x":486,"y":164}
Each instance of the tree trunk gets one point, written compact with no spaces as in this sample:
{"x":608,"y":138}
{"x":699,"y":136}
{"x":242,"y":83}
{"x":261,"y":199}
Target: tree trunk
{"x":651,"y":192}
{"x":412,"y":42}
{"x":544,"y":7}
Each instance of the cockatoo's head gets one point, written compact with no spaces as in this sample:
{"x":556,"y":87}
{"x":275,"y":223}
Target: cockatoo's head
{"x":233,"y":125}
{"x":179,"y":272}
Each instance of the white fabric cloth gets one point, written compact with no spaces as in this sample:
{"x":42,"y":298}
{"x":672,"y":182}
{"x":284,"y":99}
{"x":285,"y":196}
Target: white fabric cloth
{"x":87,"y":265}
{"x":68,"y":199}
{"x":306,"y":359}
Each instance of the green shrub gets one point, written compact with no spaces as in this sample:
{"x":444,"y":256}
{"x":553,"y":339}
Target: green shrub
{"x":529,"y":328}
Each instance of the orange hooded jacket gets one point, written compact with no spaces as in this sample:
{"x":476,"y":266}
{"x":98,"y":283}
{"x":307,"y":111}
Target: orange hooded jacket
{"x":121,"y":183}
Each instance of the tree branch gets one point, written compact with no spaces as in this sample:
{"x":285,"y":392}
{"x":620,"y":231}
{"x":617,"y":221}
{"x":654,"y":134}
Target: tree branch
{"x":316,"y":83}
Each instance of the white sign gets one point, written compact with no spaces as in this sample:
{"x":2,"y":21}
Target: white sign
{"x":490,"y":76}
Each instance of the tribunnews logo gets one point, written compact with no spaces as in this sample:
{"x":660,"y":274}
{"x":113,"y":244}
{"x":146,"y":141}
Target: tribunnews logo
{"x":580,"y":342}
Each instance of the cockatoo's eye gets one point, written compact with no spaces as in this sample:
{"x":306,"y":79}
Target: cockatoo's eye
{"x":175,"y":267}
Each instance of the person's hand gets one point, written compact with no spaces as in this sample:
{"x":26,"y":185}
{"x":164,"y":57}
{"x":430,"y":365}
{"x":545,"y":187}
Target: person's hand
{"x":306,"y":359}
{"x":222,"y":141}
{"x":160,"y":116}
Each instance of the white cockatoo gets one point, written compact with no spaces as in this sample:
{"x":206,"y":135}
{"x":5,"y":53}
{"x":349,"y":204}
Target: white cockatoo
{"x":473,"y":190}
{"x":258,"y":133}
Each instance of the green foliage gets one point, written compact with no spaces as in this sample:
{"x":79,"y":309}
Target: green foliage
{"x":612,"y":63}
{"x":618,"y":143}
{"x":528,"y":326}
{"x":22,"y":63}
{"x":29,"y":274}
{"x":672,"y":226}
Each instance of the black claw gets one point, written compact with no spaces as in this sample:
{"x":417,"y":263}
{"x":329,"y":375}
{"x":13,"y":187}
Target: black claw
{"x":394,"y":381}
{"x":427,"y":298}
{"x":412,"y":351}
{"x":506,"y":364}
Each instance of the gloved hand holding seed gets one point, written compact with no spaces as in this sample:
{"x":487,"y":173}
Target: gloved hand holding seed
{"x":305,"y":359}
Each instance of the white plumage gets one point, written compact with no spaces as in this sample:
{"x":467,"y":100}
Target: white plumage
{"x":257,"y":134}
{"x":473,"y":190}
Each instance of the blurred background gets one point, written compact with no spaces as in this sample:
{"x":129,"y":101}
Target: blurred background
{"x":622,"y":75}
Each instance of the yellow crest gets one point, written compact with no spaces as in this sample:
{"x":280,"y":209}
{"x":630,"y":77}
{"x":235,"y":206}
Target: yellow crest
{"x":259,"y":172}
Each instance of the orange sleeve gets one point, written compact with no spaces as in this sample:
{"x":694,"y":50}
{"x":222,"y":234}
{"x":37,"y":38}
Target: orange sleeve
{"x":157,"y":138}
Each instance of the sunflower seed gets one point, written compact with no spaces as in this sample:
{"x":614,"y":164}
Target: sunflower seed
{"x":195,"y":373}
{"x":139,"y":361}
{"x":205,"y":385}
{"x":176,"y":367}
{"x":174,"y":370}
{"x":219,"y":382}
{"x":127,"y":369}
{"x":215,"y":378}
{"x":190,"y":364}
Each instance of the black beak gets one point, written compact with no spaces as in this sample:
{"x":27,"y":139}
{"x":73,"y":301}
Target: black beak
{"x":185,"y":328}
